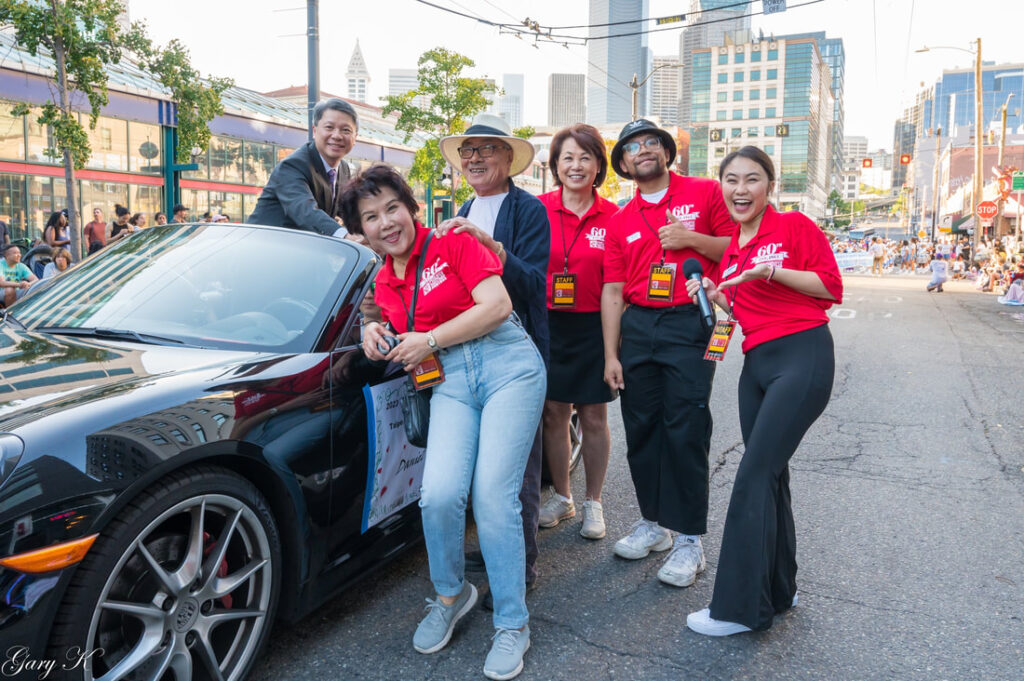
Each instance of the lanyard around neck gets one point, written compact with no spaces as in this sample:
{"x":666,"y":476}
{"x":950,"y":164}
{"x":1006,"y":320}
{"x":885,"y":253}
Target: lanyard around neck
{"x":567,"y":251}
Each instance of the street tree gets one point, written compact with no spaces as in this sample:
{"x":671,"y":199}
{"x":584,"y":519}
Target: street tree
{"x":84,"y":37}
{"x":453,"y":99}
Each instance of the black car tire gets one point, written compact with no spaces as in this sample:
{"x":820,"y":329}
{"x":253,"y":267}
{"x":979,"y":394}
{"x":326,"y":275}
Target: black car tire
{"x":163,"y":596}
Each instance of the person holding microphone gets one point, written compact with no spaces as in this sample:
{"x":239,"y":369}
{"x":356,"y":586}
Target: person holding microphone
{"x":579,"y":220}
{"x":778,"y":278}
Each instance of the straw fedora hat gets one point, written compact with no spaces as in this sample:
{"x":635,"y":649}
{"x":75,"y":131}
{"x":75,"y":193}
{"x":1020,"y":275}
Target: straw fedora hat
{"x":489,"y":125}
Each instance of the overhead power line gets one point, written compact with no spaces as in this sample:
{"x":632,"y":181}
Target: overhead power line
{"x":636,"y":21}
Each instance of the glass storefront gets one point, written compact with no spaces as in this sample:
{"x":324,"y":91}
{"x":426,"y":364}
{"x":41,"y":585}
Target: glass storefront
{"x":102,"y":195}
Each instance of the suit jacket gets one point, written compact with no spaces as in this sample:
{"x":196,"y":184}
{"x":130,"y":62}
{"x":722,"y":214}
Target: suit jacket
{"x":298,"y":194}
{"x":522,"y":226}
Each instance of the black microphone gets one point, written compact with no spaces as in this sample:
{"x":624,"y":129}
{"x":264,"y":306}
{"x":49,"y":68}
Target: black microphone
{"x":693,"y":270}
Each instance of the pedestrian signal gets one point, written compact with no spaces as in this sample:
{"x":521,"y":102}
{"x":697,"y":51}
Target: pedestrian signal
{"x":904,"y":159}
{"x":782,"y":130}
{"x":867,"y":163}
{"x":716,"y":135}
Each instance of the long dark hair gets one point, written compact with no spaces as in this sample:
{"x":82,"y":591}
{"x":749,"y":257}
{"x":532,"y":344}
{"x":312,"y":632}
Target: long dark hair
{"x":754,"y":154}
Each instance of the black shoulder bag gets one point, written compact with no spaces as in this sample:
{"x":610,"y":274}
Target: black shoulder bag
{"x":416,"y":403}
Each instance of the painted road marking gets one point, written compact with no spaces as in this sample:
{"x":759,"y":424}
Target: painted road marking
{"x":844,"y":313}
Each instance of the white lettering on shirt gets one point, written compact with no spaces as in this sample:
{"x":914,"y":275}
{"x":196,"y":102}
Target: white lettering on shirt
{"x":632,"y":237}
{"x":686,"y":215}
{"x":770,"y":254}
{"x":433,"y":277}
{"x":596,"y":237}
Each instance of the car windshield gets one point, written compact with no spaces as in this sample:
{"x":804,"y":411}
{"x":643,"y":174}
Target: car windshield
{"x":217,"y":286}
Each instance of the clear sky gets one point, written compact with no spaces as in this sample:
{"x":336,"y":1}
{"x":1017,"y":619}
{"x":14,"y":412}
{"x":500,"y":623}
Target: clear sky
{"x":261,"y":43}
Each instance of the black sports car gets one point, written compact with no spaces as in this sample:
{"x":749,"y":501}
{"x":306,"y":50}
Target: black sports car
{"x":183,"y":452}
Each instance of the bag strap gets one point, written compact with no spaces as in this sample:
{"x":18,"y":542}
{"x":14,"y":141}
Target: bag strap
{"x":416,"y":283}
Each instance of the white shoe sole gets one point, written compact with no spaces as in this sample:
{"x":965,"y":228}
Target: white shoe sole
{"x":451,"y":626}
{"x":512,"y":674}
{"x":669,"y":578}
{"x":631,"y":554}
{"x":593,"y":535}
{"x":698,"y":622}
{"x":566,"y":516}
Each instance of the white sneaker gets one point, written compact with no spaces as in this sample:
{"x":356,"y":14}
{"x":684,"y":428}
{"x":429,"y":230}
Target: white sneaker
{"x":684,"y":563}
{"x":593,"y":520}
{"x":556,"y":509}
{"x":646,"y":536}
{"x":702,"y":623}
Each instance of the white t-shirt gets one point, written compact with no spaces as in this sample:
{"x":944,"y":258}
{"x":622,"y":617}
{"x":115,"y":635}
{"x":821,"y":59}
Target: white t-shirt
{"x":483,"y":212}
{"x":656,"y":197}
{"x":877,"y":250}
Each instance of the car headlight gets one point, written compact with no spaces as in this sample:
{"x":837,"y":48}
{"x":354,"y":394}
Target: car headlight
{"x":11,"y":449}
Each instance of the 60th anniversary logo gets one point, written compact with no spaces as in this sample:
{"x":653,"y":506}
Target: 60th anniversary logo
{"x":18,"y":660}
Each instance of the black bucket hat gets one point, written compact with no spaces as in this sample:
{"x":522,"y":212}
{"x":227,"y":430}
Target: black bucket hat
{"x":638,"y":127}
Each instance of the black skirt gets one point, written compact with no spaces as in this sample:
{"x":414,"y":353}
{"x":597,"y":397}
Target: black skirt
{"x":576,"y":369}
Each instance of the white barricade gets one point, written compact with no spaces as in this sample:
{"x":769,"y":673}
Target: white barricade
{"x":853,"y":261}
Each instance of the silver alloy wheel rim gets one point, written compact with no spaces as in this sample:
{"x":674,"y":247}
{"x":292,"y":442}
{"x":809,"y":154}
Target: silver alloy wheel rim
{"x":575,"y":438}
{"x":175,"y":627}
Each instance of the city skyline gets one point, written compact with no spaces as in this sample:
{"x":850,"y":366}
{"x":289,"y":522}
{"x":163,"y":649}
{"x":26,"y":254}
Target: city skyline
{"x":876,"y":93}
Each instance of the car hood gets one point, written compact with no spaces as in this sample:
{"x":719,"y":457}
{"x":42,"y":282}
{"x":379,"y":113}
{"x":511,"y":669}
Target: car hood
{"x":42,"y":373}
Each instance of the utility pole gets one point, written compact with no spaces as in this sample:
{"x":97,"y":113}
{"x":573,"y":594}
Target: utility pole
{"x":313,"y":57}
{"x":635,"y":86}
{"x":935,"y":188}
{"x":979,"y":149}
{"x":1000,"y":220}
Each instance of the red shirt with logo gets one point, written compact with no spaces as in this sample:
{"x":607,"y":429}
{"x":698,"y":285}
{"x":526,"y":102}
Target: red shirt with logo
{"x":632,"y":244}
{"x":770,"y":310}
{"x":454,"y":265}
{"x":581,"y":241}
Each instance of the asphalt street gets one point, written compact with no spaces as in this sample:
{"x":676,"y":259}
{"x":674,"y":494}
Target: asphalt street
{"x":909,"y":502}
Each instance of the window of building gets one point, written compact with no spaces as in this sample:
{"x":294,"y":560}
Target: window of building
{"x":258,"y":162}
{"x":755,"y":94}
{"x":147,"y":199}
{"x":12,"y":134}
{"x":180,"y":436}
{"x":723,"y":59}
{"x":769,"y":149}
{"x":755,"y":74}
{"x":12,"y":203}
{"x":723,"y":77}
{"x":227,"y":203}
{"x":754,"y":113}
{"x":220,"y":419}
{"x":737,"y":77}
{"x":755,"y":56}
{"x":769,"y":112}
{"x":735,"y":132}
{"x":145,"y":145}
{"x":103,"y":195}
{"x":109,"y":141}
{"x":753,"y":132}
{"x":769,"y":131}
{"x":771,"y":93}
{"x":737,"y":95}
{"x":719,"y":152}
{"x":44,"y":197}
{"x":37,"y":140}
{"x":772,"y":74}
{"x":740,"y":58}
{"x":721,"y":115}
{"x":737,"y":114}
{"x":723,"y":96}
{"x":249,"y":203}
{"x":200,"y":433}
{"x":155,"y":438}
{"x":226,"y":159}
{"x":773,"y":54}
{"x":196,"y":200}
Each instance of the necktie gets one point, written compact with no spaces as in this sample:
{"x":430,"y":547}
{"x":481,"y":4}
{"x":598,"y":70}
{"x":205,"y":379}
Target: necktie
{"x":332,"y":175}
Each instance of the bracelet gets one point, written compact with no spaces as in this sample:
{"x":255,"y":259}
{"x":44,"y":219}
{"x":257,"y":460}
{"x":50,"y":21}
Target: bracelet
{"x":501,"y":249}
{"x":771,"y":274}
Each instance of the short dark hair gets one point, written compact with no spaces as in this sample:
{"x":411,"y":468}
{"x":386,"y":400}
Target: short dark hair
{"x":337,"y":105}
{"x":158,"y":214}
{"x":368,"y":183}
{"x":590,"y":140}
{"x":178,"y":207}
{"x":754,"y":154}
{"x":9,"y":247}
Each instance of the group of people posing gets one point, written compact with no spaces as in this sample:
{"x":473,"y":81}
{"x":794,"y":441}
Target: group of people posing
{"x":522,"y":307}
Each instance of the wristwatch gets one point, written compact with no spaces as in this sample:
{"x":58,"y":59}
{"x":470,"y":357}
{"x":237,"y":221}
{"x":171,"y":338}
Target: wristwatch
{"x":431,"y":341}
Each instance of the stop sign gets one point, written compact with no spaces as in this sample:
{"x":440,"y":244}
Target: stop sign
{"x":986,"y":210}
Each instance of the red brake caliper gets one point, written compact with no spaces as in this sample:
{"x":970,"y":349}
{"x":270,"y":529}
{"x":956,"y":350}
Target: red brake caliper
{"x":222,"y":569}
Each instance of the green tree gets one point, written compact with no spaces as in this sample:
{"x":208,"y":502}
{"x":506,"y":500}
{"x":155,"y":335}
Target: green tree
{"x":454,"y":100}
{"x":526,"y":132}
{"x":84,"y":37}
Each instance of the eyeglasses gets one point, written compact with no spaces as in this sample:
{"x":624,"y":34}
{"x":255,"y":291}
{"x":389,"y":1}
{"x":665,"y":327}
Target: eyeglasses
{"x":633,"y":148}
{"x":485,"y":151}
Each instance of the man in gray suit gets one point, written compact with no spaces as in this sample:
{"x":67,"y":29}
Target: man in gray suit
{"x":303,"y":190}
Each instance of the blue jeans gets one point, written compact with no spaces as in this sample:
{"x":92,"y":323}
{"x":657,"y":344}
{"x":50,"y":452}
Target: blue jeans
{"x":483,"y":420}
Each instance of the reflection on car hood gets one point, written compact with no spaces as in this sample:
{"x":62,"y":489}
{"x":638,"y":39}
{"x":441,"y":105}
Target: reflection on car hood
{"x":42,"y":374}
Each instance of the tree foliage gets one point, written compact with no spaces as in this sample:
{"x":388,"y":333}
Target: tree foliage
{"x":453,"y":101}
{"x":612,"y":187}
{"x":525,"y":132}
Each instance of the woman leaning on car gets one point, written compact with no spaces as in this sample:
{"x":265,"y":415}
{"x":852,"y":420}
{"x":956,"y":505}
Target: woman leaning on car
{"x":483,"y":416}
{"x":779,"y":277}
{"x":578,"y":217}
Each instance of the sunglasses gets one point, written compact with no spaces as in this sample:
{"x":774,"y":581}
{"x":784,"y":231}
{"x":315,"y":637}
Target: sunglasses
{"x":485,"y":151}
{"x":633,"y":148}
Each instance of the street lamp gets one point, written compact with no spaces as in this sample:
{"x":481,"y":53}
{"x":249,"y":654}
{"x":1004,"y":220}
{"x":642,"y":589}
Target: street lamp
{"x":542,"y":159}
{"x":978,"y":150}
{"x":635,"y":86}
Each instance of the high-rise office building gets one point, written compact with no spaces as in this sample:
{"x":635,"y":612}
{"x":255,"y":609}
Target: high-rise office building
{"x":357,"y":76}
{"x":709,"y":23}
{"x":566,"y":99}
{"x":772,"y":93}
{"x":614,"y":61}
{"x":510,"y":104}
{"x":665,"y":89}
{"x":855,"y":150}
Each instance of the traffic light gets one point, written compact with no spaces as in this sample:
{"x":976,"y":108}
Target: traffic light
{"x":716,"y":134}
{"x":782,"y":130}
{"x":904,"y":159}
{"x":867,"y":163}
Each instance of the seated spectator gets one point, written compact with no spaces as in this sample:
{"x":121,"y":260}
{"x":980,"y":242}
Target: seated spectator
{"x":16,"y":276}
{"x":60,"y":263}
{"x":958,"y":267}
{"x":56,"y":231}
{"x":1015,"y":294}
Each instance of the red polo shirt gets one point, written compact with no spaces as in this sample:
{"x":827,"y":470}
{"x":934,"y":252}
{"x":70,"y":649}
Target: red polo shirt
{"x":581,"y":242}
{"x":767,"y":311}
{"x":632,"y":244}
{"x":455,"y":264}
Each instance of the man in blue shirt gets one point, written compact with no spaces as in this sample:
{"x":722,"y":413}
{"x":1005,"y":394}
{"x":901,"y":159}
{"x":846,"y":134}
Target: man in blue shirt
{"x":17,"y":278}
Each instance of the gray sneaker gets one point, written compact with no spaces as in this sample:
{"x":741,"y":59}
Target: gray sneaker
{"x":684,"y":563}
{"x":556,"y":509}
{"x":435,"y":630}
{"x":593,"y":520}
{"x":505,"y":661}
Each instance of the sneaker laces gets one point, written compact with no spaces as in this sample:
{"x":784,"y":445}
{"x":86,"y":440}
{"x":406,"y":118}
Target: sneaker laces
{"x":435,"y":608}
{"x":505,"y":640}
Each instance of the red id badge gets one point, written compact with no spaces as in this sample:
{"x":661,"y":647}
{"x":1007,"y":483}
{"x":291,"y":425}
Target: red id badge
{"x":563,"y":288}
{"x":719,"y":342}
{"x":660,"y":282}
{"x":428,"y":373}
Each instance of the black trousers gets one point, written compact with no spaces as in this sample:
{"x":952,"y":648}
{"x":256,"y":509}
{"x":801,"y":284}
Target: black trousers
{"x":666,"y":414}
{"x":784,"y":387}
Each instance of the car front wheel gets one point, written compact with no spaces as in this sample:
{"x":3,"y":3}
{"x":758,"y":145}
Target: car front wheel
{"x":182,"y":585}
